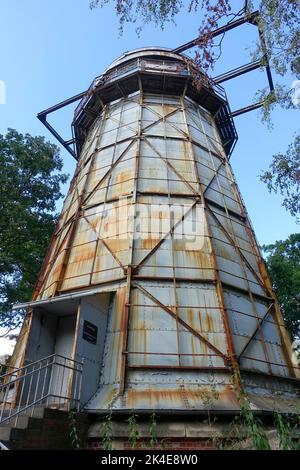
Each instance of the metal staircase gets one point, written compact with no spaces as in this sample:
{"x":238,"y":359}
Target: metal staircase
{"x":51,"y":382}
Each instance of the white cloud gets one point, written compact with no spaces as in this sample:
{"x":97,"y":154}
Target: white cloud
{"x":2,"y":92}
{"x":6,"y":345}
{"x":296,"y":92}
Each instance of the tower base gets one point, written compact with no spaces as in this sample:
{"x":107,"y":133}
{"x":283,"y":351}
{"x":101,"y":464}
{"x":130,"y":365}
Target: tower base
{"x":180,"y":433}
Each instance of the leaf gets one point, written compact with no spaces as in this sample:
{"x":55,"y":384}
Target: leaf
{"x":30,"y":181}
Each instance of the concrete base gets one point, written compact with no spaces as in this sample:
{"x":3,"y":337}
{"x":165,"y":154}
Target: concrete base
{"x":215,"y":434}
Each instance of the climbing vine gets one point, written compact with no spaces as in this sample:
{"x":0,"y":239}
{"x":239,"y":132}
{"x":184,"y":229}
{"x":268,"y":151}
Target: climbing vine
{"x":74,"y":430}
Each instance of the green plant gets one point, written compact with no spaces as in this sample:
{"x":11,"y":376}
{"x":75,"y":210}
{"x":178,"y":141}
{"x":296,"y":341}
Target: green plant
{"x":30,"y":179}
{"x":74,"y":431}
{"x":209,"y":398}
{"x":283,"y":263}
{"x":286,"y":425}
{"x":254,"y":427}
{"x":106,"y":434}
{"x":153,"y":430}
{"x":283,"y":426}
{"x":134,"y":434}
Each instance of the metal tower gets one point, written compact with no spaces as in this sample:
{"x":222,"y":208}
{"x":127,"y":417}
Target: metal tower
{"x":155,"y":253}
{"x":153,"y":281}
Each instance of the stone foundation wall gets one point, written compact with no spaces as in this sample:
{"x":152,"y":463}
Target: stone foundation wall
{"x":180,"y":435}
{"x":52,"y":432}
{"x":171,"y":435}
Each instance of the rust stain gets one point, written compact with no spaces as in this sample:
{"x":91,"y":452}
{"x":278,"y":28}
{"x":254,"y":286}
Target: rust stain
{"x":119,"y":305}
{"x":224,"y":398}
{"x":191,"y":316}
{"x":264,"y":274}
{"x":168,"y":108}
{"x":118,"y":355}
{"x":186,"y":150}
{"x":94,"y":223}
{"x":145,"y":346}
{"x":83,"y":254}
{"x":149,"y":243}
{"x":209,"y":322}
{"x":123,"y":176}
{"x":117,"y":245}
{"x":198,"y":259}
{"x":200,"y":317}
{"x":194,"y":350}
{"x":109,"y":396}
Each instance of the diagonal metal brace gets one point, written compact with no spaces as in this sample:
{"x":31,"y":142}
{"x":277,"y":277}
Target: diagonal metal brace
{"x":237,"y":248}
{"x":257,"y":329}
{"x":182,"y":322}
{"x":163,"y":238}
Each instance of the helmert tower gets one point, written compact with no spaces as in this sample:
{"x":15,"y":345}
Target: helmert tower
{"x":153,"y":278}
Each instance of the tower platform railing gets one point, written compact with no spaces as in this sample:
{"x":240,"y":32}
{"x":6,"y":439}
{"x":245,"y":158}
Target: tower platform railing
{"x":179,"y":68}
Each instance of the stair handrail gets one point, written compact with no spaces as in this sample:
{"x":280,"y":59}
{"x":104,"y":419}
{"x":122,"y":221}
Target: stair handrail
{"x":17,"y":369}
{"x":28,"y":395}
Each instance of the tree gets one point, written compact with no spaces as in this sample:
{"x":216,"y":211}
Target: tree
{"x":30,"y":179}
{"x":283,"y":176}
{"x":278,"y":22}
{"x":283,"y":261}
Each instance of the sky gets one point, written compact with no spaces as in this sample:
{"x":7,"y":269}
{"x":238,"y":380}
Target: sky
{"x":53,"y":49}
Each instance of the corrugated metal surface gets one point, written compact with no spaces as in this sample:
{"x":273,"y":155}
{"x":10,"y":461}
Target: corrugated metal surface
{"x":154,"y":204}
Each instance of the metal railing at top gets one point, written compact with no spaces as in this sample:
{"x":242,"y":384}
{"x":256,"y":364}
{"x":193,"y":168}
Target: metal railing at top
{"x":53,"y":381}
{"x":147,"y":65}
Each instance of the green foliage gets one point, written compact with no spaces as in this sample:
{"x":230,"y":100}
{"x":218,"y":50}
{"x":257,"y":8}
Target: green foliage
{"x":279,"y":22}
{"x":286,"y":426}
{"x":251,"y":427}
{"x":153,"y":430}
{"x":30,"y":179}
{"x":254,"y":427}
{"x":283,"y":176}
{"x":133,"y":434}
{"x":248,"y":426}
{"x":283,"y":427}
{"x":74,"y":432}
{"x":107,"y":434}
{"x":283,"y":262}
{"x":141,"y":12}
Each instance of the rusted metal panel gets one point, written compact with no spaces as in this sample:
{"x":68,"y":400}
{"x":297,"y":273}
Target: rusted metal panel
{"x":158,"y":390}
{"x":111,"y":369}
{"x":154,"y":205}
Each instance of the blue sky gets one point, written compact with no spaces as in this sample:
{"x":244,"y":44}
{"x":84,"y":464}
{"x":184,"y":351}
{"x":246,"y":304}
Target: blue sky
{"x":52,"y":49}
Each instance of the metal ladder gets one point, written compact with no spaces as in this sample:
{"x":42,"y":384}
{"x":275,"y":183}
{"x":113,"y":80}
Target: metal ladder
{"x":53,"y":381}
